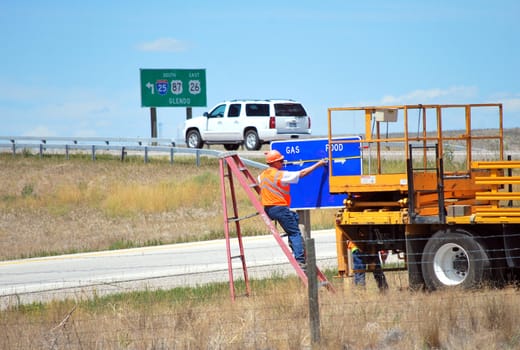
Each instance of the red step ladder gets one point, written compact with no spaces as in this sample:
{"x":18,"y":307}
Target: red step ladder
{"x":231,"y":166}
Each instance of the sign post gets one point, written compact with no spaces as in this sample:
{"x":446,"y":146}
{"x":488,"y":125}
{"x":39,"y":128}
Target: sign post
{"x":153,"y":121}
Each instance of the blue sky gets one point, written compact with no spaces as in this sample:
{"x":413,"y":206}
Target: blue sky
{"x":71,"y":68}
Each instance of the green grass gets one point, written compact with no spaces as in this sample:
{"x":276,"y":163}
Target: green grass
{"x":202,"y":294}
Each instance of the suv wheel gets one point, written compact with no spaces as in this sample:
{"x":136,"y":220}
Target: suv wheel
{"x":252,"y":142}
{"x":193,"y":139}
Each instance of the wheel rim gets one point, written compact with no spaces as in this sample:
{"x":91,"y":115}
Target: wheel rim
{"x":193,"y":141}
{"x":251,"y":141}
{"x":451,"y":264}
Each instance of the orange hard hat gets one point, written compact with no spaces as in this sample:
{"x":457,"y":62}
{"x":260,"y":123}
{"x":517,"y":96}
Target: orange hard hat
{"x":273,"y":156}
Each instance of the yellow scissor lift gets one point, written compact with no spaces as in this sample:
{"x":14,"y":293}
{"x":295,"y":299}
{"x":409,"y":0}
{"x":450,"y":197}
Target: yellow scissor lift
{"x":435,"y":187}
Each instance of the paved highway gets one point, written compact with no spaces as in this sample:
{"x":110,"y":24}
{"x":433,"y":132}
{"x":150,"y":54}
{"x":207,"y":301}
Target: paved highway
{"x":166,"y":266}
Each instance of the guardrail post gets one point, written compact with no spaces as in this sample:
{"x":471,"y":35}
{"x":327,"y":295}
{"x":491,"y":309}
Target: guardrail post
{"x":123,"y":152}
{"x":67,"y":152}
{"x":146,"y":154}
{"x":93,"y":152}
{"x":14,"y":149}
{"x":171,"y":155}
{"x":197,"y":152}
{"x":41,"y":151}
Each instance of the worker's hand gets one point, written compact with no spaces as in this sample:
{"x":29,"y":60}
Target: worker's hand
{"x":313,"y":167}
{"x":324,"y":162}
{"x":383,"y":254}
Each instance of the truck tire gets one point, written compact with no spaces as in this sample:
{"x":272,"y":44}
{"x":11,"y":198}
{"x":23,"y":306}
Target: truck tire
{"x":251,"y":140}
{"x":453,"y":259}
{"x":193,"y":139}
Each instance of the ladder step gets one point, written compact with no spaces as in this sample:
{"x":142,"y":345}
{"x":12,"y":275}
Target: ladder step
{"x":237,"y":257}
{"x":502,"y":209}
{"x":497,"y":180}
{"x":234,"y":218}
{"x":499,"y":164}
{"x":497,"y":196}
{"x":498,"y":212}
{"x":423,"y":169}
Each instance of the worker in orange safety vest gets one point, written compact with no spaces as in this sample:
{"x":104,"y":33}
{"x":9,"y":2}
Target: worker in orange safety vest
{"x":275,"y":197}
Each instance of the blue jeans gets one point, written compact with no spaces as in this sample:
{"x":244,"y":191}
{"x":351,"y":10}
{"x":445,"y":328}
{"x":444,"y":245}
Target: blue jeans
{"x":289,"y":221}
{"x":359,"y":261}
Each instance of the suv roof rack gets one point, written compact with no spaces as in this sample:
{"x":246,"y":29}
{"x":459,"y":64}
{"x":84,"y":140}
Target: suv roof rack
{"x":260,"y":100}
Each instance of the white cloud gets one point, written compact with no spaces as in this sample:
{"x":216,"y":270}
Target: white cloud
{"x":512,"y":104}
{"x":163,"y":45}
{"x":454,"y":94}
{"x":39,"y":130}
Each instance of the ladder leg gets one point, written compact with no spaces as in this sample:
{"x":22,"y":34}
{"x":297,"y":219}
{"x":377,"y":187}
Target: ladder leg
{"x":238,"y":229}
{"x":227,"y":219}
{"x":226,"y":228}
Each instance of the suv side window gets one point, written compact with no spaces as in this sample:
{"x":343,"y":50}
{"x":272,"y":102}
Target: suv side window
{"x":234,"y":110}
{"x":217,"y":112}
{"x":257,"y":110}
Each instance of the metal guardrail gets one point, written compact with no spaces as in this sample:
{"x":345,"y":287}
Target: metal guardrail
{"x":120,"y":145}
{"x":78,"y":140}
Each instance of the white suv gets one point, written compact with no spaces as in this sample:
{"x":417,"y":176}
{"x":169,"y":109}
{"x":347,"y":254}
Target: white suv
{"x":248,"y":122}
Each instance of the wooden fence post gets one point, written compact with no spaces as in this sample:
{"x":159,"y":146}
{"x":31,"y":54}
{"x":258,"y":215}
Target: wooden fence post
{"x":314,"y":307}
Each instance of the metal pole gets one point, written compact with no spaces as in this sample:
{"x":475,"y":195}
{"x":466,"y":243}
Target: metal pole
{"x":510,"y":186}
{"x":314,"y":307}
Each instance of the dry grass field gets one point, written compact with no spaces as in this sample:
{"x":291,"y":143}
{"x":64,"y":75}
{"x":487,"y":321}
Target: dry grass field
{"x":276,"y":316}
{"x":53,"y":206}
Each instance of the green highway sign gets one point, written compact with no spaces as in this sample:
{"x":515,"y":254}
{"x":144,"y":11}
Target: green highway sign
{"x":173,"y":88}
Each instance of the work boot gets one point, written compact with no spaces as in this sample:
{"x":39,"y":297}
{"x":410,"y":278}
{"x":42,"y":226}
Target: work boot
{"x":303,"y":266}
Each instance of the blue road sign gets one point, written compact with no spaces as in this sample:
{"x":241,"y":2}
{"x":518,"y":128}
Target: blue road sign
{"x":313,"y":191}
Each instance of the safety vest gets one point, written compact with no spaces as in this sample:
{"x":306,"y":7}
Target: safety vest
{"x":352,"y":246}
{"x":272,"y":191}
